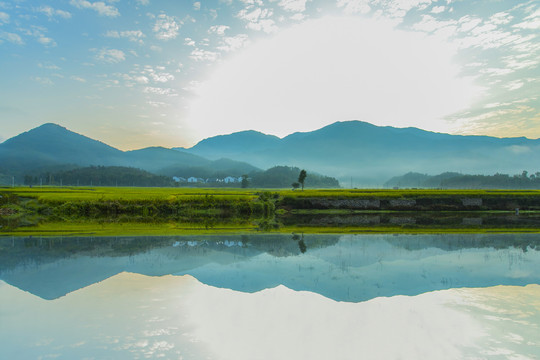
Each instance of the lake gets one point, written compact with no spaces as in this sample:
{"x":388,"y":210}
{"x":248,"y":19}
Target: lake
{"x":271,"y":296}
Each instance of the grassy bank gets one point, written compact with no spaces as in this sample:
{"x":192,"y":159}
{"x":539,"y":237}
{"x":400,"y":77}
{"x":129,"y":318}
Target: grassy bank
{"x":168,"y":211}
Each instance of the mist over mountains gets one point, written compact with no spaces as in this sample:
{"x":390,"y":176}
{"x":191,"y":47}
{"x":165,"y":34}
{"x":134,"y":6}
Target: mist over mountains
{"x":51,"y":147}
{"x":352,"y":151}
{"x":371,"y":154}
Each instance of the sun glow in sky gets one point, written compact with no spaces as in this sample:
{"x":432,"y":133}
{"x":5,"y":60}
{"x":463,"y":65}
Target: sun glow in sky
{"x":136,"y":73}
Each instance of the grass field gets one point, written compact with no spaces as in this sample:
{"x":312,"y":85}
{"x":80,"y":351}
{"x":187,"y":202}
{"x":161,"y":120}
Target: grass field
{"x":174,"y":194}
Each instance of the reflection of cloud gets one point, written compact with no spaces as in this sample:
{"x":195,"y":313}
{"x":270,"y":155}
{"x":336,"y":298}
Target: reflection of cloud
{"x":519,"y":149}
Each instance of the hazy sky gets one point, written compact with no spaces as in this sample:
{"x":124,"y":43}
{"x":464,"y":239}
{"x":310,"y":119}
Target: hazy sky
{"x":136,"y":73}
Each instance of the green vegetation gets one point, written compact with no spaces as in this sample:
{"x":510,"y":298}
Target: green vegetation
{"x":283,"y":176}
{"x":111,"y":210}
{"x":100,"y":176}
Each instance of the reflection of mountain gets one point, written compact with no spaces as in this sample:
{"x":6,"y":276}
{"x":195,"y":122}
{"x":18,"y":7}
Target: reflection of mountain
{"x":350,"y":267}
{"x":52,"y":267}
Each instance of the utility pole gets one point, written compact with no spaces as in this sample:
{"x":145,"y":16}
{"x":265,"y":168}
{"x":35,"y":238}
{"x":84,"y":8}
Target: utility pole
{"x":13,"y":181}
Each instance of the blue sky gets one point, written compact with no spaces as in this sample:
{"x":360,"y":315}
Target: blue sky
{"x":136,"y":73}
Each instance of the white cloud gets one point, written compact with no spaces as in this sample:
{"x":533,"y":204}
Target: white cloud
{"x":78,"y":78}
{"x":166,"y":27}
{"x":12,"y":38}
{"x":438,"y":9}
{"x":99,"y":6}
{"x":233,"y":43}
{"x":532,"y":24}
{"x":293,"y":5}
{"x":501,"y":18}
{"x":4,"y":17}
{"x":46,"y":41}
{"x":157,"y":76}
{"x":189,"y":42}
{"x":399,"y":8}
{"x":51,"y":13}
{"x":43,"y":80}
{"x":197,"y":6}
{"x":203,"y":55}
{"x":258,"y":19}
{"x":131,"y":35}
{"x":218,"y":29}
{"x":143,"y":2}
{"x":346,"y":68}
{"x":48,"y":66}
{"x":160,"y":91}
{"x":111,"y":56}
{"x":514,"y":85}
{"x":354,"y":6}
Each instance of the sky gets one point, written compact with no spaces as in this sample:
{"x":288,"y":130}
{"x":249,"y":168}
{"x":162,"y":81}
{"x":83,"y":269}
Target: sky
{"x":138,"y":73}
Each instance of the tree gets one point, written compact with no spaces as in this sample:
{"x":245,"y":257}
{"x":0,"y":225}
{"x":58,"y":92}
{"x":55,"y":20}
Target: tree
{"x":245,"y":181}
{"x":302,"y":178}
{"x":295,"y":185}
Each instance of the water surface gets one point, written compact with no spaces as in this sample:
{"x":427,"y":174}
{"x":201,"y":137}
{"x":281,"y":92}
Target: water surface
{"x":271,"y":297}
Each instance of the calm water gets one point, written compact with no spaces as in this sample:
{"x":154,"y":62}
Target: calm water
{"x":84,"y":297}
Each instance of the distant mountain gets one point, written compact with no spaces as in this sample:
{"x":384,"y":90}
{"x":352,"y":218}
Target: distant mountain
{"x":52,"y":145}
{"x":365,"y":154}
{"x":53,"y":148}
{"x":418,"y":180}
{"x":461,"y":181}
{"x":233,"y":144}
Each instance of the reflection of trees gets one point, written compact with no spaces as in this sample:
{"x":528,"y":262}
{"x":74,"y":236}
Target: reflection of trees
{"x":301,"y":243}
{"x":302,"y":246}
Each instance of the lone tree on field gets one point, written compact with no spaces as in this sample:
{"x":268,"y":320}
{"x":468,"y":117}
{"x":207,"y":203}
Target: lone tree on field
{"x":295,"y":185}
{"x":302,"y":178}
{"x":245,"y":181}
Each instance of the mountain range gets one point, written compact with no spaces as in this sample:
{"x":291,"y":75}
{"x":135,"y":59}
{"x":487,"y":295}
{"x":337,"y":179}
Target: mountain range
{"x":51,"y":147}
{"x":372,"y":154}
{"x":352,"y":151}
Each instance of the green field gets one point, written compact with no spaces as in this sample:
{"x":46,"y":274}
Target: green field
{"x":168,"y":211}
{"x":173,"y":194}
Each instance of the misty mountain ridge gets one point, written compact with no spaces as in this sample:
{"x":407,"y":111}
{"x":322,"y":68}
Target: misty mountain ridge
{"x":355,"y":152}
{"x":371,"y":154}
{"x":51,"y":147}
